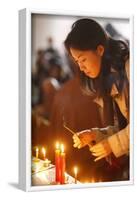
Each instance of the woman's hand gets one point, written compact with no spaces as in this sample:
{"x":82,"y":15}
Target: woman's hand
{"x":83,"y":138}
{"x":101,"y":150}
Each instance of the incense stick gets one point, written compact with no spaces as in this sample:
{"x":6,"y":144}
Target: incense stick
{"x":69,"y":129}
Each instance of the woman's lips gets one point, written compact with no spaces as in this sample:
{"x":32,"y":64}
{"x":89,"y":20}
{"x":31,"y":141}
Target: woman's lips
{"x":87,"y":72}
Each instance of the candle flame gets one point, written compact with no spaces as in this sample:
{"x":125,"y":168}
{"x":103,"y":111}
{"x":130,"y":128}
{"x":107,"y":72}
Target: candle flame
{"x":75,"y":170}
{"x":62,"y":148}
{"x":57,"y":145}
{"x":37,"y":149}
{"x":86,"y":182}
{"x":37,"y":152}
{"x":92,"y":180}
{"x":44,"y":151}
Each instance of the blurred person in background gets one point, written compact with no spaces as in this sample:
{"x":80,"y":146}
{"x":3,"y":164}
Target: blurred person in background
{"x":41,"y":112}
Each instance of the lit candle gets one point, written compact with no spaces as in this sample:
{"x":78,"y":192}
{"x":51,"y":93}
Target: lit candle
{"x":44,"y":153}
{"x":86,"y":182}
{"x":37,"y":152}
{"x":92,"y":180}
{"x":75,"y":174}
{"x":57,"y":163}
{"x":62,"y":164}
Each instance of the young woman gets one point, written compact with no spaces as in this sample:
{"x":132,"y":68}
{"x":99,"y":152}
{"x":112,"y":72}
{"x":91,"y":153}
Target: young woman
{"x":103,"y":63}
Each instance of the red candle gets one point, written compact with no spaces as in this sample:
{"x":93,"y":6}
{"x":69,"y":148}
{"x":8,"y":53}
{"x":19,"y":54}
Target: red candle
{"x":62,"y":164}
{"x":57,"y":164}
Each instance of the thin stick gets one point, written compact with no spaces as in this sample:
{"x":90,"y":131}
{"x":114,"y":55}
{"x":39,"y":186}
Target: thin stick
{"x":74,"y":133}
{"x":69,"y":129}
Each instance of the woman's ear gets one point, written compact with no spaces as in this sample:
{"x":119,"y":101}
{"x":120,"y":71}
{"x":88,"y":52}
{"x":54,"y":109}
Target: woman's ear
{"x":100,"y":50}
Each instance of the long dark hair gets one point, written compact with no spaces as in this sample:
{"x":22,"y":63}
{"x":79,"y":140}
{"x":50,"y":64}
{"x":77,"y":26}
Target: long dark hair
{"x":87,"y":34}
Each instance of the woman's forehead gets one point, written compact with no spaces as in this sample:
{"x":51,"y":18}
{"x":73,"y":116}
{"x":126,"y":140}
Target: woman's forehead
{"x":77,"y":53}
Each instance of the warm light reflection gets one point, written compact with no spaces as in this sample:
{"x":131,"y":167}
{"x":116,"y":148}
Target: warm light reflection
{"x":86,"y":182}
{"x":44,"y":152}
{"x":75,"y":171}
{"x":75,"y":174}
{"x":57,"y":145}
{"x":92,"y":180}
{"x":62,"y":148}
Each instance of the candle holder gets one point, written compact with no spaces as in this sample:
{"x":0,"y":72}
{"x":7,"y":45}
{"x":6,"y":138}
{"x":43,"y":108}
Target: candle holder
{"x":36,"y":164}
{"x":35,"y":160}
{"x":46,"y":162}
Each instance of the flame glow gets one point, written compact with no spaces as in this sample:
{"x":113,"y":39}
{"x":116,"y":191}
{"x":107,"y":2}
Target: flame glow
{"x":62,"y":148}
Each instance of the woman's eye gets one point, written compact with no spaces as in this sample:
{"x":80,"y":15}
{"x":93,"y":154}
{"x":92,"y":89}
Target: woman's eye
{"x":84,"y":60}
{"x":76,"y":62}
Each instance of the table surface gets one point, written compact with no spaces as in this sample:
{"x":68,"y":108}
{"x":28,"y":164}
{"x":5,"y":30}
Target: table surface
{"x":42,"y":175}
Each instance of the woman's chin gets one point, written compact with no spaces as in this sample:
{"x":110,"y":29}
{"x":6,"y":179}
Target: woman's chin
{"x":91,"y":75}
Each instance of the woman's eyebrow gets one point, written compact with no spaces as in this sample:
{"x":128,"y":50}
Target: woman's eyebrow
{"x":80,"y":55}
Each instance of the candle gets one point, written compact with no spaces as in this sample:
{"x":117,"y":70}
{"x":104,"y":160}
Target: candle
{"x":92,"y":180}
{"x":75,"y":174}
{"x":44,"y":153}
{"x":62,"y":164}
{"x":46,"y":162}
{"x":37,"y":152}
{"x":86,"y":182}
{"x":57,"y":163}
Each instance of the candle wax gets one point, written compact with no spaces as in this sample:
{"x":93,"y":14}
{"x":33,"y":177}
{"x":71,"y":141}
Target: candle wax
{"x":63,"y":167}
{"x":57,"y":166}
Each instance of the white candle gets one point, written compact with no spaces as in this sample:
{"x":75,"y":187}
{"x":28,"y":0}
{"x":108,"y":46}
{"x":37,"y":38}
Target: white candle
{"x":37,"y":152}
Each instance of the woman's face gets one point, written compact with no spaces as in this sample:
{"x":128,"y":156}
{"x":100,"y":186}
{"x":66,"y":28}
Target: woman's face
{"x":88,"y":61}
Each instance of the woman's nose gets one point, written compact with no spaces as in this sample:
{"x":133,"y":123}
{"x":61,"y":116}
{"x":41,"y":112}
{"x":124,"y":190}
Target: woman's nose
{"x":82,"y":67}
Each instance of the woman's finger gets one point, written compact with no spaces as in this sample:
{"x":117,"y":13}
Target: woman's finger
{"x":75,"y":145}
{"x":98,"y":150}
{"x":77,"y":141}
{"x":79,"y":146}
{"x":100,"y":153}
{"x":74,"y":138}
{"x":100,"y":157}
{"x":97,"y":147}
